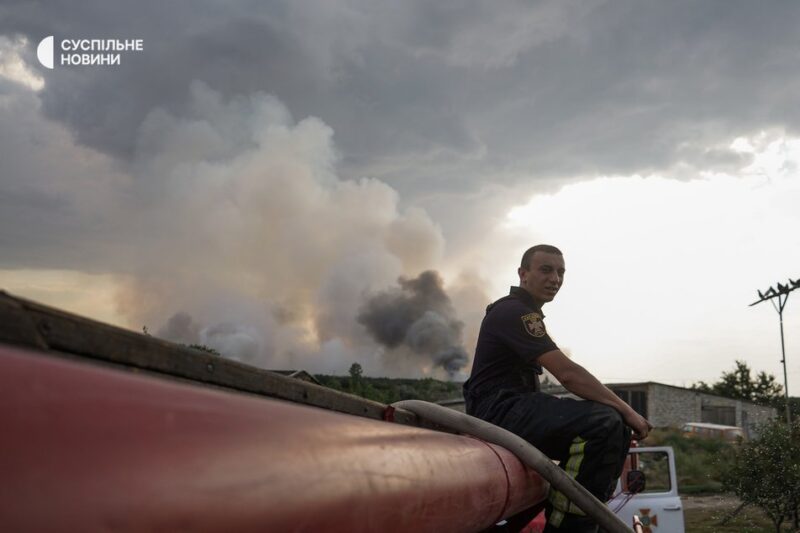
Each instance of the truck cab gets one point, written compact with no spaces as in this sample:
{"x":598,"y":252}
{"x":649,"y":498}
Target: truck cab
{"x":658,"y":505}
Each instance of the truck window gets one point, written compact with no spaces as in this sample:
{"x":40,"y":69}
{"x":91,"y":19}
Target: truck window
{"x":655,"y":466}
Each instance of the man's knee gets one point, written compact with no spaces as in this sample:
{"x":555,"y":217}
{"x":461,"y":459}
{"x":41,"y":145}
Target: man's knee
{"x":608,"y":418}
{"x":606,"y":435}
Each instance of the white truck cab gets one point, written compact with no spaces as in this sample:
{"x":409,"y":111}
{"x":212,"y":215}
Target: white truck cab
{"x":658,"y":506}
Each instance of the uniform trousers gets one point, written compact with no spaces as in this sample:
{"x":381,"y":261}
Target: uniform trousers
{"x":589,"y":439}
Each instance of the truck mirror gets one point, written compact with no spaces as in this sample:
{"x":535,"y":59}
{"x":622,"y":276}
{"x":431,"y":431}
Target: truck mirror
{"x":635,"y":481}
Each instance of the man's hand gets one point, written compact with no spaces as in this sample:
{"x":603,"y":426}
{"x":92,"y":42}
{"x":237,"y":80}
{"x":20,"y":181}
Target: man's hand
{"x":639,"y":424}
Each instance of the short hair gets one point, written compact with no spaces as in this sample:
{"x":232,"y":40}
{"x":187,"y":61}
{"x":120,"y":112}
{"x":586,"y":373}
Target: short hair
{"x":528,"y":255}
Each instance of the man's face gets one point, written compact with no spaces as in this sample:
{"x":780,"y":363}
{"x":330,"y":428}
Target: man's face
{"x":544,"y":277}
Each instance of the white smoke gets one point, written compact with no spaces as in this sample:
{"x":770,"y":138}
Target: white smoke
{"x":240,"y":222}
{"x":235,"y":341}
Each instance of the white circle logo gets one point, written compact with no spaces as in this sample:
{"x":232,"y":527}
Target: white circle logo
{"x":45,"y":52}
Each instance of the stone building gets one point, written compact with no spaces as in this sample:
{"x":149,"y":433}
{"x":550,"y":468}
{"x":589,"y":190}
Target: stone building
{"x":670,"y":406}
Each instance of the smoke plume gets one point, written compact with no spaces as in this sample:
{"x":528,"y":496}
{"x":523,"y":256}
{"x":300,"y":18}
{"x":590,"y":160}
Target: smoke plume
{"x":229,"y":226}
{"x":418,"y":316}
{"x":231,"y":340}
{"x":241,"y":222}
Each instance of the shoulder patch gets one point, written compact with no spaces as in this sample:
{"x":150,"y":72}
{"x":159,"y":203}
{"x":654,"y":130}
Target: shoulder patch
{"x":533,"y":324}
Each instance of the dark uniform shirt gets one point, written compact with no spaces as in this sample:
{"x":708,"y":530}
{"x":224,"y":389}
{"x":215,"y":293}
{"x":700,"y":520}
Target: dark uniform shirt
{"x":511,"y":338}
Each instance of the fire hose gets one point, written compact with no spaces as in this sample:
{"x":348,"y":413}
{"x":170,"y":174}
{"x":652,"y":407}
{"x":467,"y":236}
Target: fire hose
{"x":526,"y":452}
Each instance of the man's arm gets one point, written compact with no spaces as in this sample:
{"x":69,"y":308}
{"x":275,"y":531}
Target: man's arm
{"x":579,"y":381}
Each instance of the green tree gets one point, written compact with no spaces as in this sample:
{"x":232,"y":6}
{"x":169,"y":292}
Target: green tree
{"x":741,"y":385}
{"x":356,"y":383}
{"x":767,"y":390}
{"x":766,"y":471}
{"x":356,"y":371}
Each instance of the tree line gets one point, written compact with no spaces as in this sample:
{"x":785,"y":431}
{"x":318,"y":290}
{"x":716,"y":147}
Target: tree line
{"x":740,"y":384}
{"x":390,"y":390}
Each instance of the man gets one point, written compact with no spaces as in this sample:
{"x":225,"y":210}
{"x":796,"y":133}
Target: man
{"x":589,"y":438}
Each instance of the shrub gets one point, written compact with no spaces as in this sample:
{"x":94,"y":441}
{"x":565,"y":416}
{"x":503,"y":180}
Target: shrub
{"x":766,"y":472}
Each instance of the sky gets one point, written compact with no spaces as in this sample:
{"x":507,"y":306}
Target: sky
{"x":313,"y":184}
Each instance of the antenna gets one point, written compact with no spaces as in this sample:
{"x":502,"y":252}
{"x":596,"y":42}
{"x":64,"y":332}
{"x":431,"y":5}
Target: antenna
{"x":782,"y":294}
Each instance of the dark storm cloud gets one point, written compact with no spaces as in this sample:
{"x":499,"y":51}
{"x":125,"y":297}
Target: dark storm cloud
{"x":448,"y":92}
{"x":237,"y":51}
{"x":243,"y":128}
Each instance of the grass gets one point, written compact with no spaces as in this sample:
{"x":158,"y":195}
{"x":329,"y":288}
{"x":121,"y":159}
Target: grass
{"x":699,"y":462}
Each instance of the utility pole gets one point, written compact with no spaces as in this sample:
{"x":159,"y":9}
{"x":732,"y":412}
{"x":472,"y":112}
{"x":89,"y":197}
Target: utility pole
{"x":782,"y":294}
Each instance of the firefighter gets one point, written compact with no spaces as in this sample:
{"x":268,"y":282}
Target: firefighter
{"x":590,"y":439}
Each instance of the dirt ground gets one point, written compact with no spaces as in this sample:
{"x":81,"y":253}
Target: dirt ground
{"x":703,"y":514}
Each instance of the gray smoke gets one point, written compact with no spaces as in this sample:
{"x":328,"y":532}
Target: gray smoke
{"x":417,"y":315}
{"x":231,"y":340}
{"x":232,"y":212}
{"x":238,"y":218}
{"x":180,"y":328}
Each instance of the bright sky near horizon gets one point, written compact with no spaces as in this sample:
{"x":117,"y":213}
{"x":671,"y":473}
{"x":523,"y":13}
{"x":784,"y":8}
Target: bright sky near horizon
{"x":257,"y":202}
{"x":661,"y":272}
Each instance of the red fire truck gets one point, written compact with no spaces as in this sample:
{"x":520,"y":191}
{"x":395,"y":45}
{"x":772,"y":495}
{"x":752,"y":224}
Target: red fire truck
{"x":108,"y":430}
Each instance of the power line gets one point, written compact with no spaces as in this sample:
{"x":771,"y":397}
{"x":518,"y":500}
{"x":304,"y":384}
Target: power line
{"x":781,"y":293}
